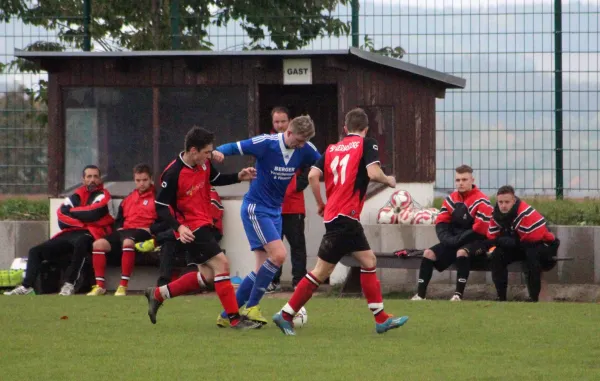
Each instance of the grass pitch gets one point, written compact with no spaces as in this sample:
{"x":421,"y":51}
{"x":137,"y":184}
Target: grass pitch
{"x":108,"y":338}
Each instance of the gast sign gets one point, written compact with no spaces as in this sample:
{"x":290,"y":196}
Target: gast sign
{"x":297,"y":71}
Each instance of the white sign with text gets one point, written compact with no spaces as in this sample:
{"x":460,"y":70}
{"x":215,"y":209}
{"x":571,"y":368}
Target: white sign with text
{"x":297,"y":71}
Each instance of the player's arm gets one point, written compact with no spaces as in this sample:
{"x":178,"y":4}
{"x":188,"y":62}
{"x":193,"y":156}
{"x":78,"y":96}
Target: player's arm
{"x":374,"y":171}
{"x":314,"y":179}
{"x":167,"y":196}
{"x":254,"y":147}
{"x":482,"y":215}
{"x":532,"y":227}
{"x":63,"y":213}
{"x":95,"y":211}
{"x":302,"y":179}
{"x":222,"y":179}
{"x":120,"y":220}
{"x":493,"y":230}
{"x":443,"y":228}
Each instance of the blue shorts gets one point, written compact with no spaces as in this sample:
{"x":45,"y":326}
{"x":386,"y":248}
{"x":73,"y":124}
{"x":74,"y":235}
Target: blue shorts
{"x":262,"y":224}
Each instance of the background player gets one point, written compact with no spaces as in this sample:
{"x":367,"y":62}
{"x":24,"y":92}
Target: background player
{"x":347,"y":168}
{"x":277,"y":159}
{"x":185,"y":187}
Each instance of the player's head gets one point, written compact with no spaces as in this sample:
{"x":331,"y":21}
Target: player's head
{"x":199,"y":144}
{"x":280,"y":116}
{"x":356,"y":122}
{"x":463,"y":178}
{"x":142,"y":176}
{"x":91,"y":177}
{"x":505,"y":198}
{"x":301,"y":130}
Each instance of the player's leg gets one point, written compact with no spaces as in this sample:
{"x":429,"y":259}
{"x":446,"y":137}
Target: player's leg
{"x":294,"y":232}
{"x":499,"y":261}
{"x":100,"y":248}
{"x":129,"y":238}
{"x":437,"y":257}
{"x":371,"y":288}
{"x":82,"y":247}
{"x":464,"y":256}
{"x":533,"y":266}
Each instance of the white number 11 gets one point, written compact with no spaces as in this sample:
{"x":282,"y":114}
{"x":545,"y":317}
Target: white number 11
{"x":342,"y":163}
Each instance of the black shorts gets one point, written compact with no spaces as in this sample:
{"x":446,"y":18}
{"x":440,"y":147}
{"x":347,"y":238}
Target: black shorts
{"x":446,"y":256}
{"x":202,"y":249}
{"x":342,"y":236}
{"x":116,"y":238}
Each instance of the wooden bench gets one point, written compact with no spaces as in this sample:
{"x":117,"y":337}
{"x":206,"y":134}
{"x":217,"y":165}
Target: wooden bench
{"x":412,"y":262}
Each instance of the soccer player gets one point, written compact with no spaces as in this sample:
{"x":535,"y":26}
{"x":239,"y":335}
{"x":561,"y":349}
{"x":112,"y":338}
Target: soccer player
{"x":136,"y":215}
{"x":293,"y":211}
{"x":347,"y":168}
{"x":277,"y":159}
{"x":519,"y":233}
{"x":461,"y":228}
{"x":185,"y":187}
{"x":82,"y":217}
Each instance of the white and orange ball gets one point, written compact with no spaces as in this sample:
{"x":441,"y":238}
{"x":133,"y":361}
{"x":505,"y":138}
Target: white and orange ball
{"x":406,"y":216}
{"x":387,"y":215}
{"x":424,"y":217}
{"x":401,"y":200}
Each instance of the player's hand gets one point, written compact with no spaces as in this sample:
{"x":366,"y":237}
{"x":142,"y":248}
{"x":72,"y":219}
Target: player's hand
{"x":391,"y":181}
{"x":247,"y":174}
{"x":217,"y":156}
{"x":321,"y":210}
{"x":185,"y":234}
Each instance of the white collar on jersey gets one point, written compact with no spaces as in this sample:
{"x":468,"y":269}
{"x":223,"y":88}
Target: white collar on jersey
{"x":285,"y":152}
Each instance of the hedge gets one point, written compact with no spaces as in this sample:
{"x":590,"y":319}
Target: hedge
{"x":562,"y":212}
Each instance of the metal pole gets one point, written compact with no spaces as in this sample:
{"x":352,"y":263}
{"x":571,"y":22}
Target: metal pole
{"x":175,"y":38}
{"x":558,"y":100}
{"x":355,"y":6}
{"x":87,"y":18}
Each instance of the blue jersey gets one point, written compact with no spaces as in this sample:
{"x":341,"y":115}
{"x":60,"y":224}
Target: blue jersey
{"x":275,"y":166}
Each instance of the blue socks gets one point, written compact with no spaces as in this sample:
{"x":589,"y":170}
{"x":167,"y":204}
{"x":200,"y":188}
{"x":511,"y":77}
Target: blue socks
{"x":243,"y":291}
{"x":265,"y":276}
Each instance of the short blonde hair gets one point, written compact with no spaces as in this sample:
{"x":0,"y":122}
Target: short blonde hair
{"x":303,"y":126}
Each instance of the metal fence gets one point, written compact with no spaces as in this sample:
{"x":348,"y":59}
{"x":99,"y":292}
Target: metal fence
{"x":530,"y":115}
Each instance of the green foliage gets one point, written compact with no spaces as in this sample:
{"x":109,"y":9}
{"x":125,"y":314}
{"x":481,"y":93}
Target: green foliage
{"x":20,"y":209}
{"x":368,"y":44}
{"x":560,"y":212}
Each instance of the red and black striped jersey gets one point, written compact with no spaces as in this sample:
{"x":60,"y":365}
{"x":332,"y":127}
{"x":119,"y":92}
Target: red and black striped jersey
{"x":470,"y":210}
{"x":529,"y":225}
{"x":137,"y":210}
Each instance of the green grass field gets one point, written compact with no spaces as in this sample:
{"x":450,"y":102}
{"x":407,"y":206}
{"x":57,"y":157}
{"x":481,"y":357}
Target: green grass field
{"x":108,"y":338}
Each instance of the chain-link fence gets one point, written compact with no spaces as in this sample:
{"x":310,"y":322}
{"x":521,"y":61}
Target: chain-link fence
{"x":529,"y":116}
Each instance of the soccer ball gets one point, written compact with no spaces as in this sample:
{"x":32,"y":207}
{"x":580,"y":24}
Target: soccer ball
{"x":301,"y":318}
{"x":424,"y":217}
{"x":406,"y":216}
{"x":401,"y":200}
{"x":387,"y":215}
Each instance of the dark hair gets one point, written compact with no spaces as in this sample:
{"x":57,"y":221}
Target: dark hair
{"x":280,"y":110}
{"x":505,"y":189}
{"x":356,"y":120}
{"x":142,"y":168}
{"x":464,"y":169}
{"x":91,"y":166}
{"x":198,"y":137}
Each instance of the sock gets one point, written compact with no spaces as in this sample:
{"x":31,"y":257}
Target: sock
{"x":303,"y":293}
{"x":462,"y":275}
{"x":425,"y":274}
{"x":127,"y":263}
{"x":263,"y":278}
{"x":243,"y":291}
{"x":187,"y":283}
{"x":372,"y":291}
{"x":99,"y":264}
{"x":226,"y":294}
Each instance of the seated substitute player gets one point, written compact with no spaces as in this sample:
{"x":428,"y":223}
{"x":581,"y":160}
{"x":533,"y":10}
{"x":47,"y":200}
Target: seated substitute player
{"x":347,"y":168}
{"x":461,"y":228}
{"x":519,"y":233}
{"x":137,"y":213}
{"x":82,"y":218}
{"x":277,"y":159}
{"x":185,"y":187}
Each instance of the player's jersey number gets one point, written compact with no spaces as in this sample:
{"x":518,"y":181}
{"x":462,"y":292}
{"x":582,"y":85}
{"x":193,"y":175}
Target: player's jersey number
{"x":343,"y":163}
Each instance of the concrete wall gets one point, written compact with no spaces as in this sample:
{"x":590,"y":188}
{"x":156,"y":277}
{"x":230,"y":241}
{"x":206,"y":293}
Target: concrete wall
{"x":17,"y":237}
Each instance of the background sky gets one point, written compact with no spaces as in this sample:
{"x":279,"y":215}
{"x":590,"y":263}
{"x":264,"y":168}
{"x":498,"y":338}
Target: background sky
{"x":502,"y":123}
